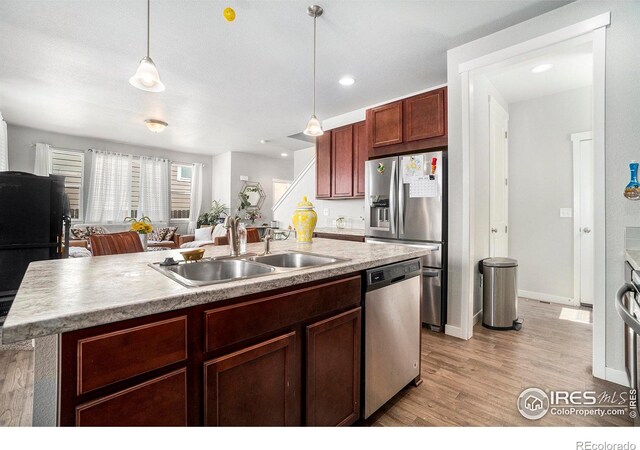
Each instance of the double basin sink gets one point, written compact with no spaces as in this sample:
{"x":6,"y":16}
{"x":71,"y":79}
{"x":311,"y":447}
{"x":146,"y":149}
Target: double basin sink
{"x":224,"y":269}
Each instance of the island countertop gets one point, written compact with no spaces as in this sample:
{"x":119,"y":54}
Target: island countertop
{"x":71,"y":294}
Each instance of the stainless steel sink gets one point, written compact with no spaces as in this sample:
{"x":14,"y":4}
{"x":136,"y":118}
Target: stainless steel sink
{"x":214,"y":271}
{"x":295,"y":260}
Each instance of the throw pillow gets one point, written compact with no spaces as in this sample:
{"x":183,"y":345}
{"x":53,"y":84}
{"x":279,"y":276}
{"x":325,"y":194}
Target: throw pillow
{"x":77,"y":233}
{"x":96,"y":230}
{"x":157,"y":234}
{"x":170,"y":232}
{"x":203,"y":234}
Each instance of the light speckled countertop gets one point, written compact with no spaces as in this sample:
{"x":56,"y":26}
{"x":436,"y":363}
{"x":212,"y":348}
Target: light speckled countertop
{"x":71,"y":294}
{"x":633,"y":256}
{"x":345,"y":231}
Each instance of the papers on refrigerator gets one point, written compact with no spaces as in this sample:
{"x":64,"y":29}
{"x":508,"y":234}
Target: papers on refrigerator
{"x":412,"y":168}
{"x":424,"y":186}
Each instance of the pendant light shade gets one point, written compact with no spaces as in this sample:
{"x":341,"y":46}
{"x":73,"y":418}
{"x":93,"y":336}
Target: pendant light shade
{"x":156,"y":126}
{"x":147,"y":77}
{"x":314,"y":127}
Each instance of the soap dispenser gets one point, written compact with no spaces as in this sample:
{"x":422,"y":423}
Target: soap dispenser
{"x":632,"y":191}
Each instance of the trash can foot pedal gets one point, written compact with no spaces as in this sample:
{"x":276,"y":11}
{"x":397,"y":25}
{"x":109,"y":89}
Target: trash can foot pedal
{"x":517,"y":324}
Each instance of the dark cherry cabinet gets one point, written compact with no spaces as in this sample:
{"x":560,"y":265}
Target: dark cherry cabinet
{"x":360,"y":156}
{"x":341,"y":154}
{"x":333,"y":370}
{"x":424,"y":116}
{"x":385,"y":124}
{"x":323,"y":165}
{"x":408,"y":125}
{"x":254,"y":386}
{"x":342,"y":161}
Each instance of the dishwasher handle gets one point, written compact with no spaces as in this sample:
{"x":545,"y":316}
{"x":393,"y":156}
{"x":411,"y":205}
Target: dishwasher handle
{"x":428,"y":273}
{"x":623,"y":312}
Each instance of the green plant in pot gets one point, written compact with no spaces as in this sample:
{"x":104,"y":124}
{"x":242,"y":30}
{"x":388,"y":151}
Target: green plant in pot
{"x":215,"y":215}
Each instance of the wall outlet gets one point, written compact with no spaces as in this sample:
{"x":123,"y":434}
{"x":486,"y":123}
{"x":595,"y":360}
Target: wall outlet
{"x":244,"y":178}
{"x":566,"y":212}
{"x":325,"y":212}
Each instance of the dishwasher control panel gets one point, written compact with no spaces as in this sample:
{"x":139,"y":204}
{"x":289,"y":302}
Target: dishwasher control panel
{"x":386,"y":275}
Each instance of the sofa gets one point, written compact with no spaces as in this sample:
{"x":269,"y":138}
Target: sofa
{"x":159,"y":237}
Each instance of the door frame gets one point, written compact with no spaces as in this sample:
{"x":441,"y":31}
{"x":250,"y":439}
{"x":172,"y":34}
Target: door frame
{"x":576,"y":138}
{"x":494,"y":101}
{"x":594,"y":27}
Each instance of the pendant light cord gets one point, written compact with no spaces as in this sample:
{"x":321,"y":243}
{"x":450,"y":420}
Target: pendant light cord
{"x":148,"y":23}
{"x":315,"y":18}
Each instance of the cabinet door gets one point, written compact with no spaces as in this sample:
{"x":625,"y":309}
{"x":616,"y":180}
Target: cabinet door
{"x":333,"y":370}
{"x":323,"y":165}
{"x":360,"y":154}
{"x":254,"y":386}
{"x":424,"y":116}
{"x":342,"y":161}
{"x":384,"y":125}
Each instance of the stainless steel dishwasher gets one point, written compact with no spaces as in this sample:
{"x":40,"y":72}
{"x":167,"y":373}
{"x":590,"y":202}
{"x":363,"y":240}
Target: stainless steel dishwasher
{"x":392,"y":331}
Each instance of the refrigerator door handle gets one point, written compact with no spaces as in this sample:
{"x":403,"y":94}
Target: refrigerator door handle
{"x":400,"y":207}
{"x":392,"y":198}
{"x":430,"y":273}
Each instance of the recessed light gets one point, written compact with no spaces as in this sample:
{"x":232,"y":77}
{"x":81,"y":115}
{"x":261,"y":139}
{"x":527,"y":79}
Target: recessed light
{"x":263,"y":141}
{"x":541,"y":68}
{"x":284,"y":155}
{"x":347,"y":80}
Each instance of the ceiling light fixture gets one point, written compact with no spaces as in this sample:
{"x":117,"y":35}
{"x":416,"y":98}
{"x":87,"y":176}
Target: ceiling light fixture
{"x":314,"y":127}
{"x":347,"y":80}
{"x":284,"y":155}
{"x":157,"y":126}
{"x":147,"y":77}
{"x":263,"y":141}
{"x":541,"y":68}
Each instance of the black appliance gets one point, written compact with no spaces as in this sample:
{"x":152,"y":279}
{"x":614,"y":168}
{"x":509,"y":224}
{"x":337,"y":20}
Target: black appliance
{"x":34,"y":225}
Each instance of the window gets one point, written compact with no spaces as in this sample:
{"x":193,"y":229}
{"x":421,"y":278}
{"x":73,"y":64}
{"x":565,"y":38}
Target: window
{"x":180,"y":190}
{"x":70,"y":164}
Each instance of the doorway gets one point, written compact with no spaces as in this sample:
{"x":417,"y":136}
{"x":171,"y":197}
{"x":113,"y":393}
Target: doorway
{"x":498,"y":179}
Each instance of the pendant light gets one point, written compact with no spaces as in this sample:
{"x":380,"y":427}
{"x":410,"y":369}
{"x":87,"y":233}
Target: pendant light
{"x":156,"y":126}
{"x":147,"y":77}
{"x":314,"y":127}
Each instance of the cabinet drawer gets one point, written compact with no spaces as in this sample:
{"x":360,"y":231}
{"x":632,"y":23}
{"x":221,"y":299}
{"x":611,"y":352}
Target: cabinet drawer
{"x":116,"y":356}
{"x":161,"y":402}
{"x":235,"y":323}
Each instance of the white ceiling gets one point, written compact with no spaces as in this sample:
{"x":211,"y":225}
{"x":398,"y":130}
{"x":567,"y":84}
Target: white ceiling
{"x":572,"y":68}
{"x":65,"y":65}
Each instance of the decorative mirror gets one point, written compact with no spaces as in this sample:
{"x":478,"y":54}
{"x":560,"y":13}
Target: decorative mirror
{"x":251,"y":196}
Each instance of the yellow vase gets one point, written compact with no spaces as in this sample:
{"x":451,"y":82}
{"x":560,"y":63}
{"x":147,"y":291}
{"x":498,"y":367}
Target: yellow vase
{"x":304,"y":220}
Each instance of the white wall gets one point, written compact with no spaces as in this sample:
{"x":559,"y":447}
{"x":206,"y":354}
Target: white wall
{"x":541,"y":182}
{"x":221,"y":178}
{"x":482,"y":89}
{"x":622,"y":136}
{"x":259,"y":168}
{"x":301,"y":158}
{"x":22,"y":154}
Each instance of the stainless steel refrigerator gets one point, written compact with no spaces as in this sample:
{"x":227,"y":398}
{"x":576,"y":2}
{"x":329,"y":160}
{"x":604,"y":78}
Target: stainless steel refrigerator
{"x":406,"y":203}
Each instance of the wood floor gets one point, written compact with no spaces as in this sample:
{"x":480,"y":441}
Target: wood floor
{"x":477,"y":382}
{"x":468,"y":383}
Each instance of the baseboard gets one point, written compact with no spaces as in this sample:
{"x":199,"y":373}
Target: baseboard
{"x":546,"y":297}
{"x":477,"y":317}
{"x":450,"y":330}
{"x":616,"y":376}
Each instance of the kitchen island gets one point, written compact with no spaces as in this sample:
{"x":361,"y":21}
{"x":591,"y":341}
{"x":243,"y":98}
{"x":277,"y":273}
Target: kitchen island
{"x":118,"y":343}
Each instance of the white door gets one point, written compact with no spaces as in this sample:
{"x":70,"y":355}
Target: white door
{"x":499,"y":187}
{"x":583,"y":174}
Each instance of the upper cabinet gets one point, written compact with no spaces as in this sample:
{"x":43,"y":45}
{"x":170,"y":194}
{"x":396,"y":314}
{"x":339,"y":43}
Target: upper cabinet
{"x":323,"y":165}
{"x":341,"y":154}
{"x":415,"y":123}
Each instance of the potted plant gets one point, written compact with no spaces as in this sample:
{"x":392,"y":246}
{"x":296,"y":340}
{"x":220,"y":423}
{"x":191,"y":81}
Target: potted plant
{"x":215,"y":215}
{"x":141,"y":226}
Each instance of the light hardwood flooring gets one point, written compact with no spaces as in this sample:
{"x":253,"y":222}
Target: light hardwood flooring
{"x":477,"y":382}
{"x":468,"y":383}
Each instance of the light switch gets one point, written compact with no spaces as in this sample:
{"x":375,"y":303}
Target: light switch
{"x":325,"y":212}
{"x":566,"y":212}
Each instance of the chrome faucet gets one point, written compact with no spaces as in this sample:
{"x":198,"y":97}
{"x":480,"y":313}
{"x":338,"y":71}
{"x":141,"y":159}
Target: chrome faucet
{"x":268,"y":237}
{"x":231,"y":224}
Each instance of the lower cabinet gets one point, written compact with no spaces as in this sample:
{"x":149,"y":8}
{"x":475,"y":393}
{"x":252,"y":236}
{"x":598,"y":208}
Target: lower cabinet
{"x":252,"y":387}
{"x":333,"y":370}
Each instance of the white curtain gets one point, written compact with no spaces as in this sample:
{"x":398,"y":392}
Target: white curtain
{"x":109,"y":188}
{"x":4,"y":146}
{"x":154,"y":189}
{"x":196,"y":197}
{"x":43,"y":160}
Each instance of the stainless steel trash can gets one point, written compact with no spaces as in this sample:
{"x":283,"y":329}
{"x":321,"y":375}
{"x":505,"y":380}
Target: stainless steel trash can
{"x":500,"y":294}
